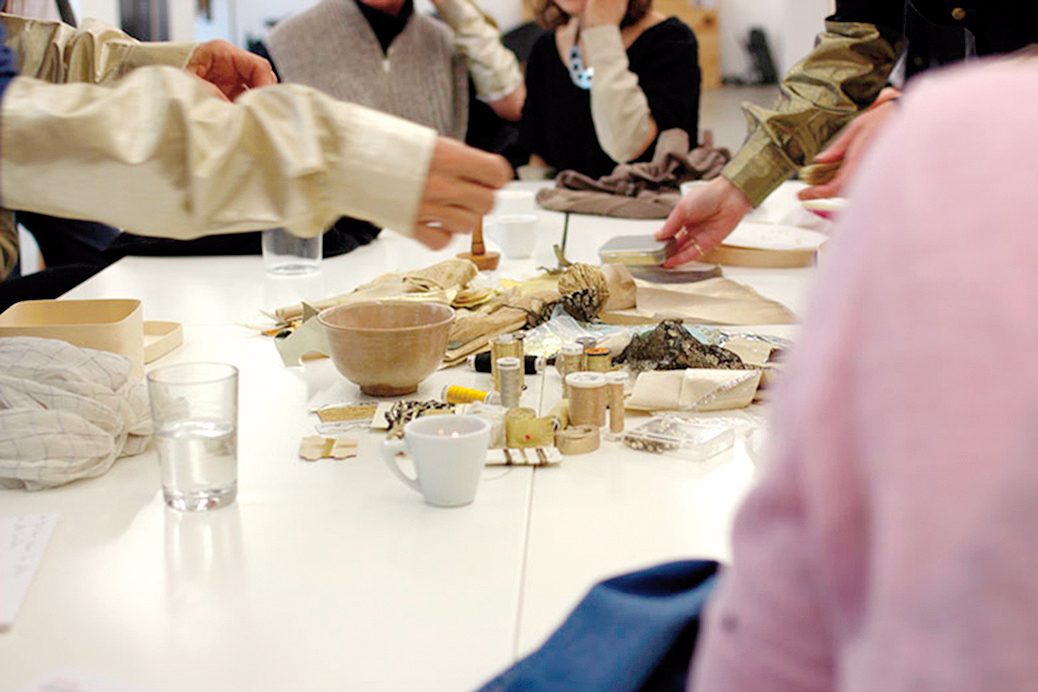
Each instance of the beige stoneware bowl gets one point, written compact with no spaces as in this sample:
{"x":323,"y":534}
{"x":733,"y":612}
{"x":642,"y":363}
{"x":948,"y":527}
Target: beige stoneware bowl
{"x":387,"y":349}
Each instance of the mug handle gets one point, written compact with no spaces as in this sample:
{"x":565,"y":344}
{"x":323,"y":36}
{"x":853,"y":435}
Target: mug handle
{"x":390,"y":450}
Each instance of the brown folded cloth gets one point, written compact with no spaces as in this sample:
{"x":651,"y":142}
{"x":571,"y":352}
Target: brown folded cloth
{"x":639,"y":190}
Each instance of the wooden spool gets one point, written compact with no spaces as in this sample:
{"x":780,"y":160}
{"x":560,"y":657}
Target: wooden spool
{"x":484,"y":261}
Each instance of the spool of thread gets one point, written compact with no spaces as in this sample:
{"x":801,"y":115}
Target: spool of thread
{"x":570,"y":360}
{"x":586,"y":342}
{"x":509,"y":371}
{"x":504,"y":346}
{"x":587,"y":398}
{"x":482,"y":362}
{"x":560,"y":412}
{"x":579,"y":440}
{"x":598,"y":360}
{"x":615,"y":383}
{"x":456,"y":394}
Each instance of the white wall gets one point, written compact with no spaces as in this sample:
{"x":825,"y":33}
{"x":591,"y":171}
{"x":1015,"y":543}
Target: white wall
{"x":791,"y":26}
{"x":106,"y":11}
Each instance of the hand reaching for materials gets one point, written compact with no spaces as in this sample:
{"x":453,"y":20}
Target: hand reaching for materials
{"x":702,"y":219}
{"x":459,"y":190}
{"x":230,"y":69}
{"x":850,"y":146}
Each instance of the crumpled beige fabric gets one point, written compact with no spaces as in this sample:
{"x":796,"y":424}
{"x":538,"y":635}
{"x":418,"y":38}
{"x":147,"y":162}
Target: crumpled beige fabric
{"x":157,"y":154}
{"x":95,"y":52}
{"x":440,"y":283}
{"x":647,"y":190}
{"x":841,"y":77}
{"x":698,"y":390}
{"x":619,"y":108}
{"x":494,"y":69}
{"x":713,"y":301}
{"x":66,"y":413}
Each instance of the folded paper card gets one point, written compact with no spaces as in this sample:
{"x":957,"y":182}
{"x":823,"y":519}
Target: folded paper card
{"x":694,"y":390}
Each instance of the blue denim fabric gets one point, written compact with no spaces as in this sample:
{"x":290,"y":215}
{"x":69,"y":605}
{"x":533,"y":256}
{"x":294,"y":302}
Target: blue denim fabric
{"x":632,"y":632}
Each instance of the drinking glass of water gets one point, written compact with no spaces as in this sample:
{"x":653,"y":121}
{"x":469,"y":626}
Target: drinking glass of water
{"x":195,"y":411}
{"x":287,"y":255}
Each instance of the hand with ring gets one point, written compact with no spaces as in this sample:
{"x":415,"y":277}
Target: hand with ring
{"x":702,"y":219}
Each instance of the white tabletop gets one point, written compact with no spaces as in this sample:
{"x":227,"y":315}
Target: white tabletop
{"x":333,"y":575}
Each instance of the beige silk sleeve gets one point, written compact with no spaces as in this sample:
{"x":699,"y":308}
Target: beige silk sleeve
{"x":494,"y":68}
{"x":94,"y":53}
{"x":844,"y":73}
{"x":156,"y":154}
{"x":619,"y":107}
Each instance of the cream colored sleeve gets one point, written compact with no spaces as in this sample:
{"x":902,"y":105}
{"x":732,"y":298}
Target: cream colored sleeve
{"x":94,"y":53}
{"x":619,"y":108}
{"x":158,"y":155}
{"x":494,"y":68}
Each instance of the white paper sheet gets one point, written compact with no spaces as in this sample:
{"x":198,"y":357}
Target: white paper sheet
{"x":22,"y":542}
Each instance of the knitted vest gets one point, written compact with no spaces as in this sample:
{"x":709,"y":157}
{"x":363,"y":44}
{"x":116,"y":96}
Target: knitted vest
{"x":332,"y":48}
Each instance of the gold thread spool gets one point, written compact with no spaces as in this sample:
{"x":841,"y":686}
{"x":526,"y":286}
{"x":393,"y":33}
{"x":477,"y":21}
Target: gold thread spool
{"x":505,"y":346}
{"x":508,"y":371}
{"x":586,"y":342}
{"x":579,"y":440}
{"x":456,"y":394}
{"x":570,"y":360}
{"x":524,"y":430}
{"x":598,"y":360}
{"x":615,"y":382}
{"x":587,"y":400}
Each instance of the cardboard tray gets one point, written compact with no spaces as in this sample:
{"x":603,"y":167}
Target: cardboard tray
{"x":106,"y":325}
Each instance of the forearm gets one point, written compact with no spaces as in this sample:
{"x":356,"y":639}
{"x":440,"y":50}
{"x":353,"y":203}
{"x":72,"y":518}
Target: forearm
{"x":619,"y":108}
{"x":494,"y":68}
{"x":157,"y":155}
{"x":841,"y":77}
{"x":94,"y":53}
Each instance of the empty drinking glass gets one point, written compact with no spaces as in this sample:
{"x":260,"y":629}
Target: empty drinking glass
{"x":287,"y":255}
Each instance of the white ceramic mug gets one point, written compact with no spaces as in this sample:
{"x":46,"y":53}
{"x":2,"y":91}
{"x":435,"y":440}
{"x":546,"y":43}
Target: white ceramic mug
{"x":448,"y":454}
{"x":515,"y":234}
{"x":509,"y":202}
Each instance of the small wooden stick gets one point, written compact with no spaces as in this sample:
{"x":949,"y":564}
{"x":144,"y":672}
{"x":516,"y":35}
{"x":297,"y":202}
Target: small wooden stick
{"x":485,"y":261}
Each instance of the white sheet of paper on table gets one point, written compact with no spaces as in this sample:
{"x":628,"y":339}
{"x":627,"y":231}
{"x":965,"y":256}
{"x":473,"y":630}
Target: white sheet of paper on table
{"x":23,"y":540}
{"x":74,"y":681}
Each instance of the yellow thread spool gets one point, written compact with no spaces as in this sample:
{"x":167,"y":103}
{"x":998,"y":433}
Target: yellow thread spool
{"x":587,"y":400}
{"x":615,"y":382}
{"x":456,"y":394}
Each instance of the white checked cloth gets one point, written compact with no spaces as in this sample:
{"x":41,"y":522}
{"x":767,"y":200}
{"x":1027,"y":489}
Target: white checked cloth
{"x":66,"y":412}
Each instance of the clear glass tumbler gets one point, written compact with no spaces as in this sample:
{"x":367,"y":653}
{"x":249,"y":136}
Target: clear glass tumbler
{"x":195,"y":411}
{"x":287,"y":255}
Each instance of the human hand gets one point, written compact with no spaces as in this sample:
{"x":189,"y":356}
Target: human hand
{"x":230,"y":69}
{"x":702,"y":219}
{"x":604,"y":12}
{"x":459,"y":190}
{"x":850,"y":146}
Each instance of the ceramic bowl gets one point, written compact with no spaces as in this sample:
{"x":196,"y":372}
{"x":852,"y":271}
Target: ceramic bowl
{"x":387,"y":349}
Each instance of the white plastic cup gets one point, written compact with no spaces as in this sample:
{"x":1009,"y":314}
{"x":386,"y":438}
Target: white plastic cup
{"x":515,"y":234}
{"x":510,"y":202}
{"x":287,"y":255}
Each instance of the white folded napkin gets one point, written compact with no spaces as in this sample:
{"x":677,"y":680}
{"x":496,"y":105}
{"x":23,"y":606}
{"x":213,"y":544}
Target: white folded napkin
{"x":66,"y":412}
{"x":694,"y":390}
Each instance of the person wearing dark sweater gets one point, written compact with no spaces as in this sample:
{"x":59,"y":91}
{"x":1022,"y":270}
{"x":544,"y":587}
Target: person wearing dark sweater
{"x":605,"y":82}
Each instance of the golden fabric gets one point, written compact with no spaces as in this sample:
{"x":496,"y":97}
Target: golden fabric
{"x":94,"y":53}
{"x":841,"y":77}
{"x":157,"y":154}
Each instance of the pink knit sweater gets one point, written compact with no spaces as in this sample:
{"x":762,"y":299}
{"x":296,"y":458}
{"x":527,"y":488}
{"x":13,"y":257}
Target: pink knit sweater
{"x":892,"y":543}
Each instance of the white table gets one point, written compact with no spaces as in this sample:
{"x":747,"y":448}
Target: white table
{"x":333,"y":575}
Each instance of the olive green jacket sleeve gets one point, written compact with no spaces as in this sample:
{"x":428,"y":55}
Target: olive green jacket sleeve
{"x":94,"y":53}
{"x":156,"y":153}
{"x":841,"y":77}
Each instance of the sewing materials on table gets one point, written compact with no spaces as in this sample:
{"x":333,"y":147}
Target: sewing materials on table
{"x":456,"y":394}
{"x":587,"y":400}
{"x":478,"y":255}
{"x":509,"y":372}
{"x":314,"y":447}
{"x":347,"y":412}
{"x":581,"y":439}
{"x":598,"y":360}
{"x":542,"y":456}
{"x":586,"y":342}
{"x":524,"y":430}
{"x":569,"y":360}
{"x":671,"y":347}
{"x":505,"y":346}
{"x":483,"y":362}
{"x":689,"y":439}
{"x":634,"y":250}
{"x":401,"y":413}
{"x":560,"y":414}
{"x":615,"y":382}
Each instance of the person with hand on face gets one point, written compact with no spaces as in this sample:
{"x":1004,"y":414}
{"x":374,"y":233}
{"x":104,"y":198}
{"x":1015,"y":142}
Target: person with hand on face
{"x":186,"y":163}
{"x":601,"y":87}
{"x":840,"y":83}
